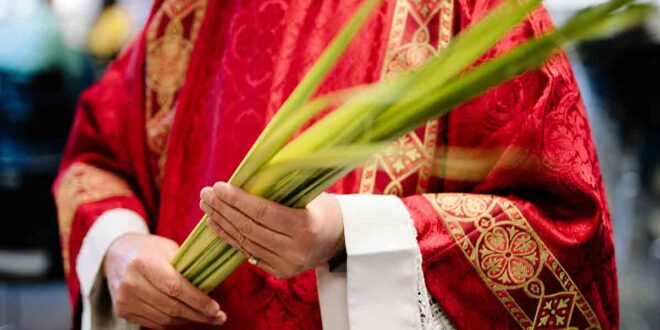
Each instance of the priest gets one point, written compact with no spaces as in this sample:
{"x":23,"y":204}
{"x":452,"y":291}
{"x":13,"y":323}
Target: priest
{"x":493,"y":217}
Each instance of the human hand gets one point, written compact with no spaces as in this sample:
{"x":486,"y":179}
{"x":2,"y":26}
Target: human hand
{"x":148,"y":291}
{"x":285,"y":241}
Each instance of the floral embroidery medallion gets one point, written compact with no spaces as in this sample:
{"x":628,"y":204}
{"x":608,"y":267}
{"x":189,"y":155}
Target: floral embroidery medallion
{"x":508,"y":255}
{"x":513,"y":261}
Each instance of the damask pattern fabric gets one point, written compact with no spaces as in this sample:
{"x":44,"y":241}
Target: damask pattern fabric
{"x":527,"y":240}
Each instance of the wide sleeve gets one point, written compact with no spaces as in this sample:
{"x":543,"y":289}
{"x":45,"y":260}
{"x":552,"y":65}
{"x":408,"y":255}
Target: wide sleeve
{"x":519,"y":235}
{"x":100,"y":173}
{"x":513,"y":231}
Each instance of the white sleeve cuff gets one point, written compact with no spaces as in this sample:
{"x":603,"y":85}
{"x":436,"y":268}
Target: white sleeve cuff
{"x":383,"y":286}
{"x":383,"y":268}
{"x":108,"y":227}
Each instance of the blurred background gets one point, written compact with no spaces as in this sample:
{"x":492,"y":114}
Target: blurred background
{"x":52,"y":50}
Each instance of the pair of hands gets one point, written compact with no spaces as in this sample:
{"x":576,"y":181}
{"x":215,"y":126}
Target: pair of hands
{"x":148,"y":291}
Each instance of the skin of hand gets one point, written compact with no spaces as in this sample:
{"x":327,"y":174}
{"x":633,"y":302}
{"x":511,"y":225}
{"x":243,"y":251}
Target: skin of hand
{"x":286,"y":241}
{"x":148,"y":291}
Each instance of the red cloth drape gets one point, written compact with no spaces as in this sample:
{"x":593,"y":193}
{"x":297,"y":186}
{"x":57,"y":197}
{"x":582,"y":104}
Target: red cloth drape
{"x":505,"y":192}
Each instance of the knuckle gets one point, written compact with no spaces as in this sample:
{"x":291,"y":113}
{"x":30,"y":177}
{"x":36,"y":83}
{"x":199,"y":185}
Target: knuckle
{"x":173,"y":309}
{"x":121,"y":309}
{"x":137,"y":264}
{"x":229,"y":197}
{"x":244,"y":242}
{"x":173,"y":287}
{"x":246,"y":227}
{"x":168,"y":321}
{"x":211,"y":222}
{"x":313,"y":229}
{"x":261,"y":211}
{"x":218,"y":206}
{"x":288,"y":274}
{"x":128,"y":285}
{"x":207,"y":210}
{"x":300,"y":260}
{"x":297,"y":269}
{"x":123,"y":295}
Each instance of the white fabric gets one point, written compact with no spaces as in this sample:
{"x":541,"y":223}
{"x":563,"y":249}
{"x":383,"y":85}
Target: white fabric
{"x":333,"y":297}
{"x":383,"y":287}
{"x":108,"y":227}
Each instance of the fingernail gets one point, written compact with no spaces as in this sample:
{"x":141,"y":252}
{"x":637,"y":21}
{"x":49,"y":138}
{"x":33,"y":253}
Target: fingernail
{"x":219,"y":320}
{"x":222,"y":186}
{"x":213,"y":309}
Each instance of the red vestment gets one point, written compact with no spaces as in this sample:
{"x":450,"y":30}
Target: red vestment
{"x":505,"y":192}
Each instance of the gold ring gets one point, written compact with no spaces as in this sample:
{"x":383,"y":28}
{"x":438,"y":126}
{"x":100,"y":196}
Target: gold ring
{"x":253,"y":261}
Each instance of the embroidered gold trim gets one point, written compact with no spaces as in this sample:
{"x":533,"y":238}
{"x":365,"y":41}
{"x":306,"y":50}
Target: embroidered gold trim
{"x":408,"y":49}
{"x":80,"y":184}
{"x":167,"y":59}
{"x":513,"y":261}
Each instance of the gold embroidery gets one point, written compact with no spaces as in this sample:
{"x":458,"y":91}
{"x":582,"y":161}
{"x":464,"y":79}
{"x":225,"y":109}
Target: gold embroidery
{"x":555,"y":311}
{"x":409,"y":48}
{"x":80,"y":184}
{"x":508,"y":255}
{"x":168,"y":56}
{"x":513,"y":261}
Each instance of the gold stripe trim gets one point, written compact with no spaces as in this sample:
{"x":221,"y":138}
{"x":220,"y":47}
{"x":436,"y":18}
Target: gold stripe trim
{"x":511,"y":259}
{"x":81,"y":184}
{"x":405,"y":50}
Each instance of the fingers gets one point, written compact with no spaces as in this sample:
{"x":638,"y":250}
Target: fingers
{"x":144,"y":322}
{"x":268,"y":260}
{"x":267,"y":213}
{"x":147,"y":315}
{"x":268,"y":268}
{"x":279,"y":273}
{"x":264,"y":229}
{"x":148,"y":291}
{"x":168,"y":308}
{"x":246,"y":245}
{"x":228,"y":232}
{"x":242,"y":225}
{"x":271,"y":262}
{"x":168,"y":281}
{"x":130,"y":306}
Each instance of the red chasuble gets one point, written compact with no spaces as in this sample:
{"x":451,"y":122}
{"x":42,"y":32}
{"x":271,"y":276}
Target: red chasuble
{"x":506,"y":193}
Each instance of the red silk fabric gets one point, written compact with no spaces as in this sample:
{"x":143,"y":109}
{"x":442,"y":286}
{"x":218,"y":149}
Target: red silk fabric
{"x":529,"y":244}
